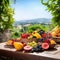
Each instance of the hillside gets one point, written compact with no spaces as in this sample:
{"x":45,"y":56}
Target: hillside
{"x":32,"y":21}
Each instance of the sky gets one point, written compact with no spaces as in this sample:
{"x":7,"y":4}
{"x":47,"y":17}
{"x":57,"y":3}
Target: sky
{"x":30,"y":9}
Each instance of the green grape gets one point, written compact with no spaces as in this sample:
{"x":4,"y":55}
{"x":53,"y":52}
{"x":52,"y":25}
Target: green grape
{"x":30,"y":37}
{"x":32,"y":44}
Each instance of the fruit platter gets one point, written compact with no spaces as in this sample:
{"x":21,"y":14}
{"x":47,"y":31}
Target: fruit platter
{"x":37,"y":41}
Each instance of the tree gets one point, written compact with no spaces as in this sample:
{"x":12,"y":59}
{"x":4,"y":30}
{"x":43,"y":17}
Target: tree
{"x":32,"y":28}
{"x":6,"y":19}
{"x":6,"y":15}
{"x":53,"y":6}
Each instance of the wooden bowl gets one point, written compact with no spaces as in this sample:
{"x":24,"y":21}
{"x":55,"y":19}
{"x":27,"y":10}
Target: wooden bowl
{"x":52,"y":45}
{"x":57,"y":39}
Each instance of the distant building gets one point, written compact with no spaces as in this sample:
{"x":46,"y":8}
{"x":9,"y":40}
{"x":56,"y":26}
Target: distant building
{"x":26,"y":25}
{"x":19,"y":27}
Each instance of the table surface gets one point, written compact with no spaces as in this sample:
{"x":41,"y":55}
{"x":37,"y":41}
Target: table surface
{"x":53,"y":54}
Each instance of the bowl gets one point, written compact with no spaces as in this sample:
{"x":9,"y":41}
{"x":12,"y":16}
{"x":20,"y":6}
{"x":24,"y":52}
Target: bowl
{"x":57,"y":39}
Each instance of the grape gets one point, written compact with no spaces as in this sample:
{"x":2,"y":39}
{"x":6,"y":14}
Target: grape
{"x":41,"y":40}
{"x":33,"y":44}
{"x":41,"y":32}
{"x":30,"y":37}
{"x":37,"y":48}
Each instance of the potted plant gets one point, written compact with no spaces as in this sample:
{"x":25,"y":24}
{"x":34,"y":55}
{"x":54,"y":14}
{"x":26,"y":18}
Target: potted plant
{"x":6,"y":19}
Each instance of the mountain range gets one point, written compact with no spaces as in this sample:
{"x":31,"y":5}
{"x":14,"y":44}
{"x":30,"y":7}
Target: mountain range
{"x":32,"y":21}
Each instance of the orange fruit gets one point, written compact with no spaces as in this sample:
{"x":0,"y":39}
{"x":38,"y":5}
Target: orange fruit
{"x":9,"y":42}
{"x":57,"y":30}
{"x":18,"y":45}
{"x":53,"y":34}
{"x":58,"y":34}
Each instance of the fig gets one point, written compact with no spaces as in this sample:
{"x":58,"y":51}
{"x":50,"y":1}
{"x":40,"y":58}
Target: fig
{"x":45,"y":46}
{"x":27,"y":48}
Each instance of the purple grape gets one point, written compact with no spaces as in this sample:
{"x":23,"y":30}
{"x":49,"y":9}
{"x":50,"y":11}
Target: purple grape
{"x":41,"y":32}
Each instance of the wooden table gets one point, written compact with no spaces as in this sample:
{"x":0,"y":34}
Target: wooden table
{"x":46,"y":55}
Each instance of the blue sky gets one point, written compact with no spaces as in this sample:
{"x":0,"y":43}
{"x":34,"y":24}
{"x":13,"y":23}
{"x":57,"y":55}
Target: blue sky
{"x":30,"y":9}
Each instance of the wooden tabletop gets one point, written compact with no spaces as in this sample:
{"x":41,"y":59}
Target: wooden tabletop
{"x":53,"y":54}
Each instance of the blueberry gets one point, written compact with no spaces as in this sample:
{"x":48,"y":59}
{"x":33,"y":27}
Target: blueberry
{"x":38,"y":46}
{"x":41,"y":32}
{"x":41,"y":40}
{"x":36,"y":50}
{"x":33,"y":50}
{"x":41,"y":49}
{"x":35,"y":47}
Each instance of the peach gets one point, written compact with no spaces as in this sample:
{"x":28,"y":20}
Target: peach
{"x":53,"y":34}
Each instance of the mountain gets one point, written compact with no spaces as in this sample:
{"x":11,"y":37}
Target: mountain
{"x":32,"y":21}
